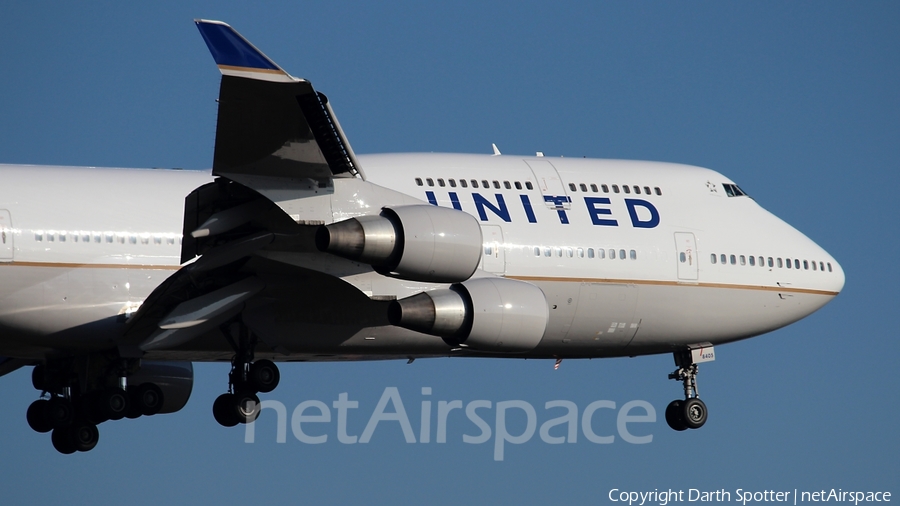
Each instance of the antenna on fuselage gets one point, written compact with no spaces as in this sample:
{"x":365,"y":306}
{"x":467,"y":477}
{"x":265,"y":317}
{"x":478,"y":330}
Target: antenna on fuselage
{"x":496,"y":149}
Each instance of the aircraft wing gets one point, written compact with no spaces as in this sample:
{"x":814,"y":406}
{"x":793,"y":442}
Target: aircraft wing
{"x":271,"y":123}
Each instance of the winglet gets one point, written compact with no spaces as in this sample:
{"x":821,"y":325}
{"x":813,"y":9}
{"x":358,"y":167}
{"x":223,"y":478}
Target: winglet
{"x":236,"y":56}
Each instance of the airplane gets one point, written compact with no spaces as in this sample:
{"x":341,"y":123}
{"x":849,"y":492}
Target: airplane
{"x":293,"y":248}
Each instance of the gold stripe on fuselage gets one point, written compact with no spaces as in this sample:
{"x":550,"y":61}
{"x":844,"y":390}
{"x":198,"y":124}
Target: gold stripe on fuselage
{"x":676,"y":283}
{"x":783,"y":289}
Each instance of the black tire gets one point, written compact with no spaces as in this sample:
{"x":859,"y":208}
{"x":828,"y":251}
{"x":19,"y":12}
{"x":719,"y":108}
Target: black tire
{"x":264,"y":376}
{"x":134,"y":404}
{"x":90,"y":408}
{"x":84,"y":436}
{"x":223,"y":410}
{"x":245,"y":406}
{"x":149,"y":398}
{"x":62,"y":441}
{"x":38,"y":377}
{"x":674,"y":415}
{"x":112,"y":403}
{"x":37,"y":416}
{"x":694,"y":413}
{"x":59,"y":412}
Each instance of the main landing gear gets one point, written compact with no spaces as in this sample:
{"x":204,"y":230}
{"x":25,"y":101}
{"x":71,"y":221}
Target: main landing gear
{"x":72,"y":405}
{"x":246,"y":379}
{"x":690,"y":413}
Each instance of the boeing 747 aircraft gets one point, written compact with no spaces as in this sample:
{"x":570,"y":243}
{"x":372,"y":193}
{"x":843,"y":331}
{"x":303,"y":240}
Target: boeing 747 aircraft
{"x":112,"y":281}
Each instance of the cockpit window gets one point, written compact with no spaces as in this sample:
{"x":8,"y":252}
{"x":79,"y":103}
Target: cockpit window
{"x":733,"y":190}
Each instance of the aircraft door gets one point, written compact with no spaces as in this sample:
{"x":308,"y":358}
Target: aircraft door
{"x":550,"y":184}
{"x":6,"y":236}
{"x":687,"y":257}
{"x":494,"y":255}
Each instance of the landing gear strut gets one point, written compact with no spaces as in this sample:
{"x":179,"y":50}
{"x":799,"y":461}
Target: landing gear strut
{"x":690,"y":413}
{"x":246,"y":379}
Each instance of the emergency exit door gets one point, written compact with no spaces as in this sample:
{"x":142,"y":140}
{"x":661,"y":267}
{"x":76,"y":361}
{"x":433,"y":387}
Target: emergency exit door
{"x":6,"y":236}
{"x":686,"y":256}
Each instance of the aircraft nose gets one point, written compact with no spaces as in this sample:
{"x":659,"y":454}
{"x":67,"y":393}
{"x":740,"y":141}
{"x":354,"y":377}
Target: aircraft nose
{"x":839,"y":278}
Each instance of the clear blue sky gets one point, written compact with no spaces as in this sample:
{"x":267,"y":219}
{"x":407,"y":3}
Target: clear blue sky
{"x":799,"y":102}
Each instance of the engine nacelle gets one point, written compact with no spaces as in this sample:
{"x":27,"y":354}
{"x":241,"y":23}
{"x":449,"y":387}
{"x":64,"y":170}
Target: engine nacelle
{"x":421,"y":243}
{"x":487,"y":314}
{"x":175,"y":379}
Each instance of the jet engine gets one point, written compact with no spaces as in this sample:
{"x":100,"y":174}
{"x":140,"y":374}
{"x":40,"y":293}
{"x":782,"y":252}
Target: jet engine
{"x":486,"y":314}
{"x":175,"y":379}
{"x":420,"y":242}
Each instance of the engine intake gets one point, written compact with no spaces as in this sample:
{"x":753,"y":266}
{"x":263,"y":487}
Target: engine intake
{"x":487,"y":314}
{"x":421,"y":242}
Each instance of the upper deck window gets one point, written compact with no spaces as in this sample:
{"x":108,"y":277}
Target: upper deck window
{"x":418,"y":181}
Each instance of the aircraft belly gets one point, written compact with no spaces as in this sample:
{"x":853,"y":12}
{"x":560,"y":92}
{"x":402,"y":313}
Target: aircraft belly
{"x":674,"y":316}
{"x":71,"y":307}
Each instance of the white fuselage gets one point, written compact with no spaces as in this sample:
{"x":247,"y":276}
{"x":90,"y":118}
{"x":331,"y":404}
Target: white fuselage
{"x":674,"y":260}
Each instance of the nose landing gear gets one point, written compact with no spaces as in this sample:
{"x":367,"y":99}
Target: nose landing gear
{"x":690,"y":413}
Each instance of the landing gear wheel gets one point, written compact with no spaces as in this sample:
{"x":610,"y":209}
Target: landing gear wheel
{"x":245,"y":407}
{"x":59,"y":412}
{"x":149,"y":399}
{"x":674,"y":415}
{"x":38,"y":377}
{"x":263,"y":376}
{"x":63,"y":441}
{"x":223,"y":411}
{"x":112,"y":404}
{"x":84,"y":436}
{"x":694,"y":413}
{"x":36,"y":416}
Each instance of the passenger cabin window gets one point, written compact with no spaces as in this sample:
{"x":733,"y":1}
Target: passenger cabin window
{"x":440,"y":182}
{"x":796,"y":263}
{"x":722,"y":258}
{"x":733,"y":260}
{"x":518,"y":185}
{"x":821,"y":267}
{"x":604,"y":188}
{"x":770,"y":262}
{"x":497,"y":184}
{"x":430,"y":182}
{"x":637,"y":189}
{"x":615,"y":188}
{"x":829,"y":266}
{"x":752,"y":261}
{"x":633,"y":254}
{"x":647,"y":190}
{"x":682,"y":257}
{"x":485,"y":184}
{"x":622,"y":254}
{"x":507,"y":185}
{"x":779,"y":263}
{"x":590,"y":252}
{"x":528,"y":185}
{"x":583,"y":187}
{"x":572,"y":186}
{"x":418,"y":181}
{"x":806,"y":265}
{"x":626,"y":188}
{"x":788,"y":263}
{"x":594,"y":188}
{"x":743,"y":260}
{"x":658,"y":191}
{"x":712,"y":258}
{"x":612,"y":254}
{"x":452,"y":183}
{"x":463,"y":183}
{"x":762,"y":262}
{"x":474,"y":184}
